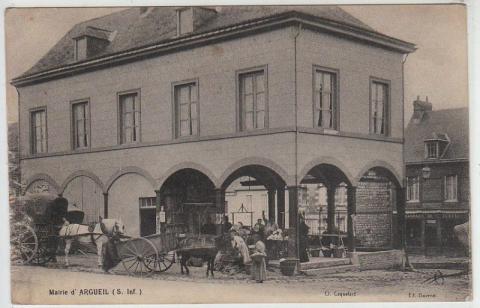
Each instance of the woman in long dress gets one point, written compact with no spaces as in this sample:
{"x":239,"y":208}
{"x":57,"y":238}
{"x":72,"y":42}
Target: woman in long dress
{"x":259,"y":268}
{"x":239,"y":244}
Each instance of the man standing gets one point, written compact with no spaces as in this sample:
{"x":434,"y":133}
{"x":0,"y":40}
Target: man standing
{"x":303,"y":241}
{"x":208,"y":227}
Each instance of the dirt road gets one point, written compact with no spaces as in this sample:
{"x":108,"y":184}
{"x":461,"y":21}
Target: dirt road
{"x":35,"y":285}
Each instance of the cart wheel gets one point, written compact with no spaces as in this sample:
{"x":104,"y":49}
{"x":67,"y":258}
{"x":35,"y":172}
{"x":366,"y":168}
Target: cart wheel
{"x":136,"y":255}
{"x":24,"y":244}
{"x":164,"y":261}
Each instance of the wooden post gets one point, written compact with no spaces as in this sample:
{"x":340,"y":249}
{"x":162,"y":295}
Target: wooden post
{"x":422,"y":235}
{"x":293,"y":234}
{"x":105,"y":205}
{"x":158,"y":206}
{"x":351,"y":211}
{"x":271,"y":205}
{"x":439,"y":232}
{"x":330,"y":209}
{"x":281,"y":207}
{"x":220,"y":208}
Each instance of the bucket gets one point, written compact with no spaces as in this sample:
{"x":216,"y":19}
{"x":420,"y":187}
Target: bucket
{"x":315,"y":252}
{"x":287,"y":266}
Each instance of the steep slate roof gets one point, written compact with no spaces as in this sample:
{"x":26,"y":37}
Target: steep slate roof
{"x":133,"y":29}
{"x":453,"y":122}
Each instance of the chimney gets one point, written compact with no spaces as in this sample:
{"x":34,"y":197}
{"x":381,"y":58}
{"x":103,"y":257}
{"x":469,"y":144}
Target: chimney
{"x":190,"y":18}
{"x":420,"y":108}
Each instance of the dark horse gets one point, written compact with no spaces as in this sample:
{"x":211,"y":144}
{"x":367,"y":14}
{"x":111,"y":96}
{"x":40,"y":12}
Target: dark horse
{"x":204,"y":247}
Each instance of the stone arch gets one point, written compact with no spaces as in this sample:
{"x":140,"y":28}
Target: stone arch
{"x":264,"y":162}
{"x":128,"y":170}
{"x":380,"y":164}
{"x":326,"y":160}
{"x":84,"y":173}
{"x":187,"y":165}
{"x":42,"y":177}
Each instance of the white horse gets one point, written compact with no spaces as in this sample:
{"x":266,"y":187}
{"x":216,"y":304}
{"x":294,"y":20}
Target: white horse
{"x":104,"y":229}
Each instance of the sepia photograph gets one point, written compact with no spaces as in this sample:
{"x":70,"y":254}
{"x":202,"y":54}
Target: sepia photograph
{"x":238,"y":154}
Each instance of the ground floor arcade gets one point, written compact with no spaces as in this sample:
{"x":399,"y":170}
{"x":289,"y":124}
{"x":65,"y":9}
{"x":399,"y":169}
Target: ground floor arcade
{"x":188,"y":199}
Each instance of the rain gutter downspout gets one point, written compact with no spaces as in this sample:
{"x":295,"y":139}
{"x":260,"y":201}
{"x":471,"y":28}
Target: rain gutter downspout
{"x":296,"y":32}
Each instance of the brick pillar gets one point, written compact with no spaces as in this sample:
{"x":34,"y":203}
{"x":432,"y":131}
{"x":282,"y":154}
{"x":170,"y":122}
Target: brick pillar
{"x":271,"y":204}
{"x":105,"y":205}
{"x":400,"y":194}
{"x":330,"y":208}
{"x":220,"y":208}
{"x":281,"y":207}
{"x":293,"y":222}
{"x":351,"y":211}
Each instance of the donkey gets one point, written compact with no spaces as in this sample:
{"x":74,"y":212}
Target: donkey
{"x":207,"y":253}
{"x":81,"y":234}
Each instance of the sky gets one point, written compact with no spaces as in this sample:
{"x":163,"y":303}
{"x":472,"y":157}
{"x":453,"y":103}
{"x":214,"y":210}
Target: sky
{"x":437,"y":69}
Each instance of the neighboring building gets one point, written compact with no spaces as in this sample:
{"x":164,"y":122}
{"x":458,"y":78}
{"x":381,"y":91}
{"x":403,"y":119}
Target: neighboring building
{"x":436,"y":155}
{"x":15,"y":186}
{"x":152,"y":111}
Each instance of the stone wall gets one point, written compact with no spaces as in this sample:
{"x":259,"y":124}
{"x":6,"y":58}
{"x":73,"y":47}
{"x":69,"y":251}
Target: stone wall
{"x":379,"y":259}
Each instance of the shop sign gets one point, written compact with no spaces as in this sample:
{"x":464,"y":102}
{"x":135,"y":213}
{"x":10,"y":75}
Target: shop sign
{"x":161,"y":217}
{"x":431,"y":221}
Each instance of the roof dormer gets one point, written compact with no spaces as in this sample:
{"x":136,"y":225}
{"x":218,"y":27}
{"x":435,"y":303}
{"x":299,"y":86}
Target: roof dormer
{"x":190,"y":18}
{"x":90,"y":42}
{"x":437,"y":146}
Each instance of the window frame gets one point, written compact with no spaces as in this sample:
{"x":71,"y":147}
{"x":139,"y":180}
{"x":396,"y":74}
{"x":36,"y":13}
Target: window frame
{"x":437,"y":149}
{"x":137,"y":92}
{"x":445,"y":192}
{"x":175,"y":122}
{"x":238,"y":96}
{"x":72,"y":123}
{"x":31,"y":112}
{"x":76,"y":53}
{"x":387,"y":108}
{"x":417,"y":184}
{"x":336,"y":94}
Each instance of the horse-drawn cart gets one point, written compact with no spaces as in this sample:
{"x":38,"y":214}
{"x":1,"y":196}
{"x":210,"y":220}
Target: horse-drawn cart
{"x":36,"y":221}
{"x":143,"y":256}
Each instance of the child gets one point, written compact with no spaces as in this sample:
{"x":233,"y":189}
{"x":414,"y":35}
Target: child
{"x":259,"y":268}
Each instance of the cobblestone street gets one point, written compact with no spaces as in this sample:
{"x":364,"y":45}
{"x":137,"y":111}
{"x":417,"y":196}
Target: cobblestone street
{"x":350,"y":286}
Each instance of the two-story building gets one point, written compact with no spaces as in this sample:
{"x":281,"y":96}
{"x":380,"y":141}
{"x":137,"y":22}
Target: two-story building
{"x":438,"y":194}
{"x":149,"y":115}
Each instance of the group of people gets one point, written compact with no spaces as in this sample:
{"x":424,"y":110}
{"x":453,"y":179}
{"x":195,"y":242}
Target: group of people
{"x":256,"y":259}
{"x":241,"y":236}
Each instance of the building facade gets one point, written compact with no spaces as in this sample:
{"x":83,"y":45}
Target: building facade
{"x":436,"y":153}
{"x":150,"y":114}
